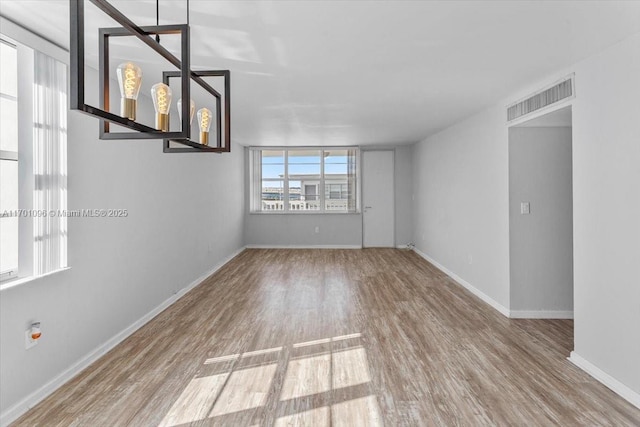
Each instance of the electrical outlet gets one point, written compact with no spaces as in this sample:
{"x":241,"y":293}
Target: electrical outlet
{"x":317,"y":229}
{"x":28,"y":342}
{"x":470,"y":259}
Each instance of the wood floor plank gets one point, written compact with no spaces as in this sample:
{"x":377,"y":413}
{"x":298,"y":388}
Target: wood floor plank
{"x":335,"y":337}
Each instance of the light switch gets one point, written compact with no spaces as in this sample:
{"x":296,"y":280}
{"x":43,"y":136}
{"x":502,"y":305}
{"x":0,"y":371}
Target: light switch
{"x":525,"y":209}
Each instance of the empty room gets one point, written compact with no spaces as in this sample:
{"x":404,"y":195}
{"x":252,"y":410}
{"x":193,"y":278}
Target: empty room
{"x":319,"y":213}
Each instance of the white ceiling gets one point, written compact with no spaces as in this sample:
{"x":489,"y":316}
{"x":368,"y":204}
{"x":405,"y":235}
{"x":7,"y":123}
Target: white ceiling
{"x":366,"y":72}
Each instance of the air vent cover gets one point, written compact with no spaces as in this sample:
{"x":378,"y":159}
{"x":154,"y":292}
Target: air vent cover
{"x":541,"y":99}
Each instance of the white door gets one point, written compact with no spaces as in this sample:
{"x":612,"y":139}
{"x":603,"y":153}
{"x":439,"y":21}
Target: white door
{"x":377,"y":199}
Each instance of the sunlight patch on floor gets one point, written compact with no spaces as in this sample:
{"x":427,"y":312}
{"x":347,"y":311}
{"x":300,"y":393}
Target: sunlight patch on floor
{"x":246,"y":389}
{"x":315,"y":371}
{"x":350,"y":368}
{"x":219,"y":359}
{"x":307,"y":376}
{"x":310,"y":343}
{"x":195,"y":401}
{"x":260,"y":352}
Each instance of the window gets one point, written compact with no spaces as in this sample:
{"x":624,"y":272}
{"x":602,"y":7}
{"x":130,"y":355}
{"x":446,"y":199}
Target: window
{"x":33,"y":137}
{"x":303,"y":180}
{"x":8,"y":160}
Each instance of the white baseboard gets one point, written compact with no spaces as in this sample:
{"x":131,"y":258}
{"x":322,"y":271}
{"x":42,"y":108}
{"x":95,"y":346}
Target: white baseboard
{"x":303,"y":246}
{"x":11,"y":414}
{"x":540,"y":314}
{"x":606,"y":379}
{"x":477,"y":292}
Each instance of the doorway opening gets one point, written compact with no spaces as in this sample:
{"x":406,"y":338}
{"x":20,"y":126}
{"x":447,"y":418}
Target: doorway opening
{"x":541,"y":217}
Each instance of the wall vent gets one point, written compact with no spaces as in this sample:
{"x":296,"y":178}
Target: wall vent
{"x":544,"y":98}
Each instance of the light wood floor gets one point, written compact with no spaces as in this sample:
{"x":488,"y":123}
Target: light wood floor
{"x":335,"y":337}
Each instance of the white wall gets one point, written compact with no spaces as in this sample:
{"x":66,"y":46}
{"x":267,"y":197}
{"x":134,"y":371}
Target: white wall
{"x":461,"y":208}
{"x":185,"y":218}
{"x":606,"y":185}
{"x":461,"y":215}
{"x":403,"y":180}
{"x":541,"y":242}
{"x":335,"y":230}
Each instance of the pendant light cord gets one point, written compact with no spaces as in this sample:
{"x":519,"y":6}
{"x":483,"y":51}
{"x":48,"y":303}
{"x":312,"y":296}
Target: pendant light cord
{"x":187,"y":12}
{"x":158,"y":19}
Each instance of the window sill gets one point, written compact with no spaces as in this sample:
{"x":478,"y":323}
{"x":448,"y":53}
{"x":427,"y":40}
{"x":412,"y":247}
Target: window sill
{"x":12,"y":283}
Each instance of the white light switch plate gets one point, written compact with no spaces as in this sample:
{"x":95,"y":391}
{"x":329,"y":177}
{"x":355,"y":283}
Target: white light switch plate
{"x":525,"y":208}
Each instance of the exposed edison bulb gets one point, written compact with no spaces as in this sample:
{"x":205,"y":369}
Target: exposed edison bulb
{"x":161,"y":95}
{"x":192,"y":110}
{"x":130,"y":79}
{"x":204,"y":120}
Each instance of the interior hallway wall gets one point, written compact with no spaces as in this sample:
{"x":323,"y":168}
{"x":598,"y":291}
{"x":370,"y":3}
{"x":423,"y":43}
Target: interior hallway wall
{"x":461,"y":208}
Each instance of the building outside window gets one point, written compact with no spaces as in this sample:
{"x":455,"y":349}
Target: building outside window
{"x":303,"y":180}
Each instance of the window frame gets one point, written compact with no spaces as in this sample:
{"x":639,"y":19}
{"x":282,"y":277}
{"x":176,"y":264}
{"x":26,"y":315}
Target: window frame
{"x":12,"y":272}
{"x":255,"y":194}
{"x":27,"y":44}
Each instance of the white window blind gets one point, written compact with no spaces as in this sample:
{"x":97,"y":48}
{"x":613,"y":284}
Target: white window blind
{"x":49,"y":163}
{"x":304,"y":180}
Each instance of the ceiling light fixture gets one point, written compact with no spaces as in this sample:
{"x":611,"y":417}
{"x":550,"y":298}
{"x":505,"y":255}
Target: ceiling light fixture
{"x":130,"y":82}
{"x":222,"y":124}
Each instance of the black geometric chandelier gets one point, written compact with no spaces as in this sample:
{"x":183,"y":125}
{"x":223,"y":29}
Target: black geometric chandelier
{"x":213,"y":117}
